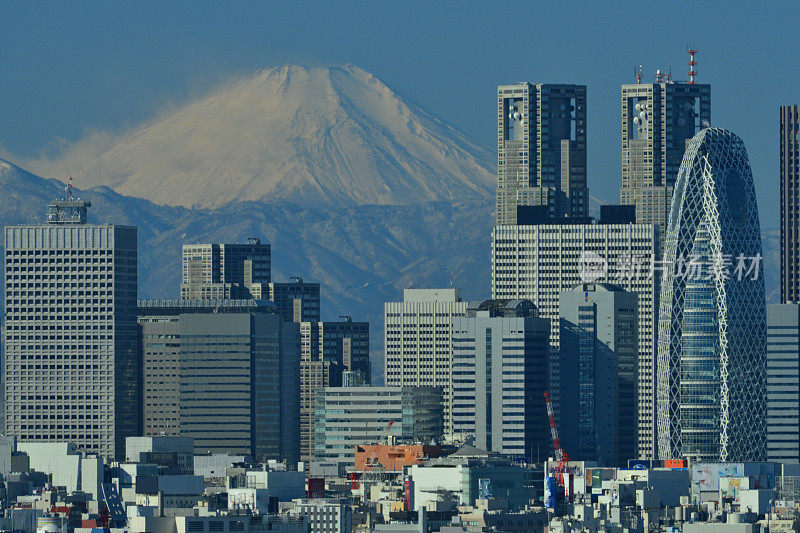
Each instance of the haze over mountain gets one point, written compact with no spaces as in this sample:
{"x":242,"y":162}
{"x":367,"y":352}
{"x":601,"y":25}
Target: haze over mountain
{"x":361,"y":255}
{"x":310,"y":136}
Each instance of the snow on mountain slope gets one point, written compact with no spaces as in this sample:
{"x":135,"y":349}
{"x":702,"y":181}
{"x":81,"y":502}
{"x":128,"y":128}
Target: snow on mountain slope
{"x":311,"y":136}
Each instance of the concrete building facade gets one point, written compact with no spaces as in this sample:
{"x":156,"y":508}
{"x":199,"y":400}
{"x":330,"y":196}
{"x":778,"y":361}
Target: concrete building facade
{"x":327,"y":351}
{"x":540,"y":262}
{"x":599,"y":349}
{"x":790,"y":202}
{"x":783,"y":383}
{"x":418,"y":335}
{"x":500,"y":357}
{"x":349,"y":416}
{"x":225,"y":271}
{"x":71,"y":365}
{"x":541,"y":150}
{"x":297,"y":301}
{"x":225,"y":373}
{"x":658,"y":119}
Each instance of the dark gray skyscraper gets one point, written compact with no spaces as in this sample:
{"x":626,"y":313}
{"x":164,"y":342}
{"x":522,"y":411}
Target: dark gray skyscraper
{"x":657,"y":121}
{"x":790,"y":203}
{"x":72,"y":371}
{"x":599,"y":349}
{"x":541,"y":150}
{"x":224,"y":372}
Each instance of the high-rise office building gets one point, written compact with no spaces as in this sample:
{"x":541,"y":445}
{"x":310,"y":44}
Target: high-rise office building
{"x":72,"y":370}
{"x":712,"y":317}
{"x":658,"y":119}
{"x":500,"y":357}
{"x":540,"y":262}
{"x":790,"y":203}
{"x":418,"y":336}
{"x":599,"y":348}
{"x":327,"y":349}
{"x":225,"y":373}
{"x":783,"y":383}
{"x":297,"y":301}
{"x":350,"y":416}
{"x":541,"y":150}
{"x":225,"y":271}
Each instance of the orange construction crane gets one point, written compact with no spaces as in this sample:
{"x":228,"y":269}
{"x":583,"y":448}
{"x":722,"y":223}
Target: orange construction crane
{"x":561,"y":455}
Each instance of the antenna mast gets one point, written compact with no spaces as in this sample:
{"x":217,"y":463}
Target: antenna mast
{"x":692,"y":63}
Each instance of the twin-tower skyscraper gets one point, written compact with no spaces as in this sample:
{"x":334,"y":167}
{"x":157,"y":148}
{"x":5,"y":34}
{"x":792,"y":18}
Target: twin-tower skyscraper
{"x":541,"y":148}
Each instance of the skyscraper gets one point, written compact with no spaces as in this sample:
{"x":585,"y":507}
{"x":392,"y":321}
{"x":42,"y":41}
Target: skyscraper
{"x":500,"y":353}
{"x":657,"y":121}
{"x":599,"y":349}
{"x":297,"y":301}
{"x":72,"y":370}
{"x":225,"y":271}
{"x":327,"y":349}
{"x":541,"y":150}
{"x":539,"y":262}
{"x":712,"y":322}
{"x":783,"y":383}
{"x":790,"y":203}
{"x":418,"y":335}
{"x":224,"y":372}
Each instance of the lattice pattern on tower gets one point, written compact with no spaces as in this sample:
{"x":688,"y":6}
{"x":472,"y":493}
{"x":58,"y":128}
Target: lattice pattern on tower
{"x":714,"y":202}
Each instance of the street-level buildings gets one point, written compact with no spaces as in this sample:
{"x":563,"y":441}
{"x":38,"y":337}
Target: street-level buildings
{"x":349,"y":416}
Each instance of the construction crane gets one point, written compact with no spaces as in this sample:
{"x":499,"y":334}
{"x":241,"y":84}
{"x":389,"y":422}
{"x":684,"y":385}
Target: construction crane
{"x":561,"y":455}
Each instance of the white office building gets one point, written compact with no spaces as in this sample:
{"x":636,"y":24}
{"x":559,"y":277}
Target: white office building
{"x":418,"y":333}
{"x":72,"y":372}
{"x":539,"y":262}
{"x":783,"y":383}
{"x":500,"y":356}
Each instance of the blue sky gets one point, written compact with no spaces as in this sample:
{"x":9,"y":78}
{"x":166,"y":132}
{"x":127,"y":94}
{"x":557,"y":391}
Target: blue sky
{"x":69,"y":68}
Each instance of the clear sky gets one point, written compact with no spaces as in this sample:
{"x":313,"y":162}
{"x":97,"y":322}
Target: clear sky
{"x":69,"y":68}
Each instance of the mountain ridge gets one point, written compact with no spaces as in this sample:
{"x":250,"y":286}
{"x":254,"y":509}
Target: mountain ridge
{"x":310,"y":136}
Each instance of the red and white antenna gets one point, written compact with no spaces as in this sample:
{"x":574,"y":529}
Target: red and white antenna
{"x":692,"y":63}
{"x":638,"y":73}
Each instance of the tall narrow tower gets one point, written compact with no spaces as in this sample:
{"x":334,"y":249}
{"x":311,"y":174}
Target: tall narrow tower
{"x":658,"y":119}
{"x":541,"y":150}
{"x":712,"y":318}
{"x":790,"y":203}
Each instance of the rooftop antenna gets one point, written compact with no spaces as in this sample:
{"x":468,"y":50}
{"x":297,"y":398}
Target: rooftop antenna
{"x":669,"y":74}
{"x":69,"y":190}
{"x":659,"y":76}
{"x":692,"y":63}
{"x":451,"y":281}
{"x":638,"y":73}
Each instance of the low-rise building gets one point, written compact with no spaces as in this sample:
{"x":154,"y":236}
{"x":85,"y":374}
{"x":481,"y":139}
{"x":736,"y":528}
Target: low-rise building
{"x":350,"y":416}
